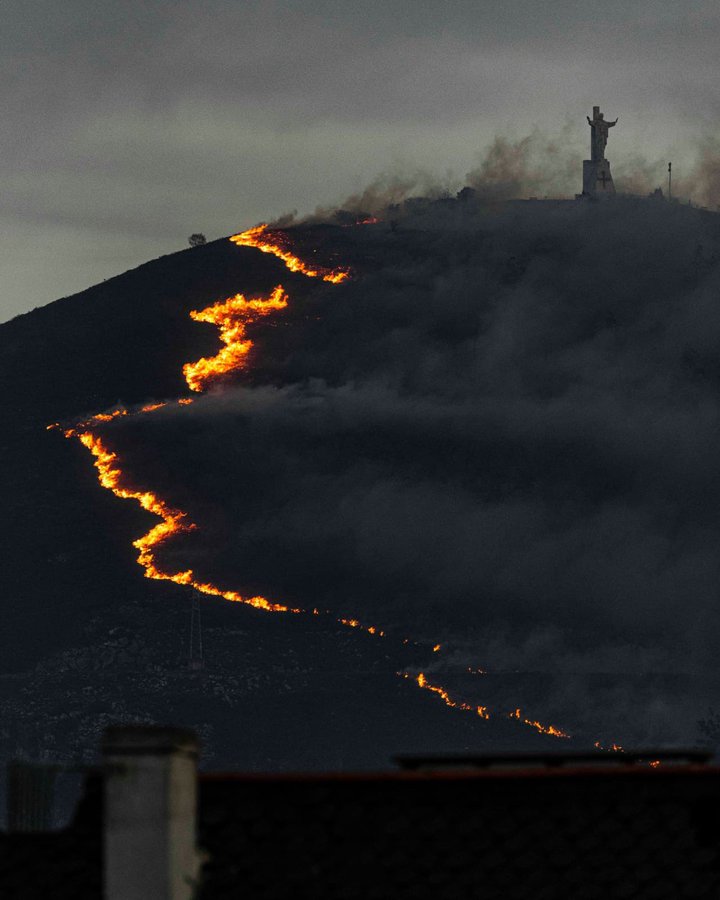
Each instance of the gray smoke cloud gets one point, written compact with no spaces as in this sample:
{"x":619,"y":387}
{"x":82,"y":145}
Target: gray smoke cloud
{"x":536,"y":165}
{"x":503,"y":432}
{"x":539,"y":165}
{"x":127,"y":127}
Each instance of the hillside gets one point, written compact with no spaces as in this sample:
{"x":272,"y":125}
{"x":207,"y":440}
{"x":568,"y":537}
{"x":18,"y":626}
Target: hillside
{"x":497,"y":434}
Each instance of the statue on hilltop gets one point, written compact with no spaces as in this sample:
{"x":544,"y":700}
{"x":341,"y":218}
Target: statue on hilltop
{"x":599,"y":130}
{"x":597,"y":180}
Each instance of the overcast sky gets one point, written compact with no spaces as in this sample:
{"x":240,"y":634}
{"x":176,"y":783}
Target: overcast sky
{"x":127,"y":126}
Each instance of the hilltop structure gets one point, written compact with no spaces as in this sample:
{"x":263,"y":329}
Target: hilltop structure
{"x":597,"y":179}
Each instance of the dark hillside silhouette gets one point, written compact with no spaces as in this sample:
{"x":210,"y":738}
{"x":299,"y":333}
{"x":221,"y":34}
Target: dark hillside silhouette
{"x":492,"y":434}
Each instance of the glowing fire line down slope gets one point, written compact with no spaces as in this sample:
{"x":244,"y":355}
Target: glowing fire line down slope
{"x":174,"y":522}
{"x":276,"y":244}
{"x":232,"y":317}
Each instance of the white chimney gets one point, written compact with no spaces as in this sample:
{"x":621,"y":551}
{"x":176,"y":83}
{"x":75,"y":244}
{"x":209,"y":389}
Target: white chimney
{"x":150,"y":813}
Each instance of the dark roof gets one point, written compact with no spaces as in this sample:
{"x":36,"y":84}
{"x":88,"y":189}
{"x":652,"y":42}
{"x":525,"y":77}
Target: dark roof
{"x":588,"y":832}
{"x":571,"y":832}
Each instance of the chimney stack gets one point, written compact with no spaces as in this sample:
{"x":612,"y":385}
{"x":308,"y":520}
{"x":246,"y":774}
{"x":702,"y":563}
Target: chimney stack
{"x":150,"y":813}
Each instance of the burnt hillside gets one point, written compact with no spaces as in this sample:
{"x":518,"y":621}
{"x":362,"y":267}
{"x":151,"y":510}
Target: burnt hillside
{"x":498,"y":434}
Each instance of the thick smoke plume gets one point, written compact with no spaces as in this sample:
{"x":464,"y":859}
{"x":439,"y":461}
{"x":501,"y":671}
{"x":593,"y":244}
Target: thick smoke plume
{"x":540,"y":166}
{"x":537,"y":165}
{"x":504,"y":431}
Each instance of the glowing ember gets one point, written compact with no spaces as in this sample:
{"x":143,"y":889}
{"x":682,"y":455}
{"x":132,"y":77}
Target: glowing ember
{"x":613,"y":748}
{"x":151,"y":407}
{"x":371,"y":629}
{"x":421,"y":681}
{"x":538,"y":726}
{"x":277,"y":243}
{"x":108,"y":417}
{"x":232,"y":317}
{"x":97,"y":419}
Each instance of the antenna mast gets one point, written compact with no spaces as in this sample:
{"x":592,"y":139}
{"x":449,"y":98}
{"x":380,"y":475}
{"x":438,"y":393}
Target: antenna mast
{"x":669,"y":181}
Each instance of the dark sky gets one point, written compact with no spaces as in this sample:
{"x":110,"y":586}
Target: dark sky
{"x":127,"y":126}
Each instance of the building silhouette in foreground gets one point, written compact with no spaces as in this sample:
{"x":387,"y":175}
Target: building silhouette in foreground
{"x":584,"y":826}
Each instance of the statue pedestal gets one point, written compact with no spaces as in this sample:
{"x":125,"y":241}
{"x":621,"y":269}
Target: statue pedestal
{"x":597,"y":180}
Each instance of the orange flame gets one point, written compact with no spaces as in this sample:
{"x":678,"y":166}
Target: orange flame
{"x":354,"y":623}
{"x":97,"y":419}
{"x":231,"y":316}
{"x":276,"y":243}
{"x":174,"y":522}
{"x":421,"y":681}
{"x":108,"y":417}
{"x":104,"y":418}
{"x":613,"y":748}
{"x":151,"y":407}
{"x":538,"y":726}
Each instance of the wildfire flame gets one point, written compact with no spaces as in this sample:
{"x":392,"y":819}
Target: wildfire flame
{"x":354,"y":623}
{"x":482,"y":711}
{"x":108,"y":417}
{"x":277,"y":243}
{"x":422,"y":682}
{"x":174,"y":522}
{"x":232,"y":317}
{"x":151,"y":407}
{"x":613,"y":748}
{"x":538,"y":726}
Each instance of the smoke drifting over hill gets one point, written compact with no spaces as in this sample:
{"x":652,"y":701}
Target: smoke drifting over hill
{"x":537,"y":165}
{"x":503,"y":431}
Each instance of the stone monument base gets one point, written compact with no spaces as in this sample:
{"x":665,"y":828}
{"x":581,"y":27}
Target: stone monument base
{"x":597,"y":180}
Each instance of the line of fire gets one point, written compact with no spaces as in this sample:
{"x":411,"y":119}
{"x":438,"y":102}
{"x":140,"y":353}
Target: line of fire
{"x":232,"y":318}
{"x":580,"y":811}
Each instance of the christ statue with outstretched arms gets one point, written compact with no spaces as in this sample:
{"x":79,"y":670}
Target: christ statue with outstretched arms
{"x":599,"y":134}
